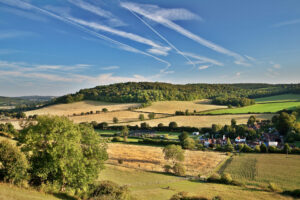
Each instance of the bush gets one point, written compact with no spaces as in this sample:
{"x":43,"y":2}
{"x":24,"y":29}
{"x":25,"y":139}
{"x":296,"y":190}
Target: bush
{"x":214,"y":178}
{"x":295,"y":150}
{"x":108,"y":190}
{"x":167,"y":168}
{"x":273,"y":187}
{"x":257,"y":149}
{"x":189,"y":143}
{"x":184,"y":196}
{"x":226,"y":178}
{"x":13,"y":163}
{"x":117,"y":139}
{"x":239,"y":147}
{"x":141,"y":117}
{"x":120,"y":161}
{"x":263,"y":148}
{"x":104,"y":110}
{"x":178,"y":169}
{"x":115,"y":120}
{"x":293,"y":193}
{"x":247,"y":149}
{"x":173,"y":125}
{"x":273,"y":149}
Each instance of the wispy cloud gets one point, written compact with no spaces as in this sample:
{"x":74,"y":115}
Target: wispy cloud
{"x":203,"y":67}
{"x":152,"y":12}
{"x":8,"y":51}
{"x":110,"y":68}
{"x":114,"y":21}
{"x":156,"y":48}
{"x":286,"y":23}
{"x":120,"y":45}
{"x":7,"y":34}
{"x":23,"y":14}
{"x":202,"y":59}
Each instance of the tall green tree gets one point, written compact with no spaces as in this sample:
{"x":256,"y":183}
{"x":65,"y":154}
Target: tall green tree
{"x":284,"y":122}
{"x":63,"y":153}
{"x":125,"y":132}
{"x":174,"y":152}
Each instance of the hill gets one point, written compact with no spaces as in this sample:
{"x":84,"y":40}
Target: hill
{"x":144,"y":92}
{"x":24,"y":100}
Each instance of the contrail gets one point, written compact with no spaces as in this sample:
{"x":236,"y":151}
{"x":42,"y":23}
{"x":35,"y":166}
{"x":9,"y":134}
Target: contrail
{"x":162,"y":37}
{"x":24,"y":5}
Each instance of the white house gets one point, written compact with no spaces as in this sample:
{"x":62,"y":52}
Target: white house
{"x":240,"y":140}
{"x":272,"y":144}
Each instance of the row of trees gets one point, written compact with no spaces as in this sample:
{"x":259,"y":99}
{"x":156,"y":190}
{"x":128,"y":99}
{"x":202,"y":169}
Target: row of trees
{"x":233,"y":101}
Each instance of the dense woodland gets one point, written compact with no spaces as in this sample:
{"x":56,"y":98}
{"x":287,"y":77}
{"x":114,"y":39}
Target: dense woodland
{"x":145,"y":92}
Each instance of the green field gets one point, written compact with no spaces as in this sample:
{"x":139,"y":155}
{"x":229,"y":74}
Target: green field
{"x":279,"y":98}
{"x":158,"y":186}
{"x":260,"y":169}
{"x":271,"y":104}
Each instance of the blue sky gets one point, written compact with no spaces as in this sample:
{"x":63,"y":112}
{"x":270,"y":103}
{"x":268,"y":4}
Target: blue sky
{"x":54,"y":47}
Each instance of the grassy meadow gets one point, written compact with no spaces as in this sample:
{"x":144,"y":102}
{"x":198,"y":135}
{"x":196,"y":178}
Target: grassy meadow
{"x":271,"y":104}
{"x":170,"y":107}
{"x":201,"y":121}
{"x":159,"y":186}
{"x":260,"y":169}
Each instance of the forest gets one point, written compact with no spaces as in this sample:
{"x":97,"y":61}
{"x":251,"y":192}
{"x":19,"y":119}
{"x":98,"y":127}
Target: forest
{"x":145,"y":92}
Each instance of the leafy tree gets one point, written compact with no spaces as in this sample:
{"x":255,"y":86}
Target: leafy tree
{"x":263,"y":148}
{"x":13,"y":162}
{"x":144,"y":125}
{"x":257,"y":149}
{"x":115,"y":120}
{"x":189,"y":143}
{"x":151,"y":115}
{"x":125,"y":132}
{"x":104,"y":110}
{"x":173,"y":152}
{"x":233,"y":122}
{"x":8,"y":128}
{"x":63,"y":153}
{"x":228,"y":147}
{"x":178,"y":169}
{"x":173,"y":125}
{"x":160,"y":125}
{"x":184,"y":135}
{"x":141,"y":117}
{"x":284,"y":122}
{"x":251,"y":120}
{"x":286,"y":148}
{"x":216,"y":128}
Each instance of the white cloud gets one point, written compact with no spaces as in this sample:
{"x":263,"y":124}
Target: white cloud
{"x":202,"y":59}
{"x":152,"y":12}
{"x":238,"y":74}
{"x":286,"y":23}
{"x":157,"y":49}
{"x":203,"y":67}
{"x":98,"y":11}
{"x":110,"y":68}
{"x":120,"y":45}
{"x":7,"y":34}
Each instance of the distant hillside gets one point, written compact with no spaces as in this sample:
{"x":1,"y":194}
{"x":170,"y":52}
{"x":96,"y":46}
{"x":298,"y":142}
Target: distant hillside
{"x":24,"y":100}
{"x":144,"y":92}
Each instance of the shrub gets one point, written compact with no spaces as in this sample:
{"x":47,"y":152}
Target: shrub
{"x":13,"y":162}
{"x":115,"y":120}
{"x":104,"y":110}
{"x":257,"y":149}
{"x":226,"y":178}
{"x":189,"y":143}
{"x":286,"y":148}
{"x":273,"y":187}
{"x":167,"y":168}
{"x":239,"y":147}
{"x":247,"y":149}
{"x":108,"y":190}
{"x":273,"y":149}
{"x":173,"y":125}
{"x":141,"y":117}
{"x":237,"y":183}
{"x":120,"y":161}
{"x":217,"y":198}
{"x":214,"y":178}
{"x":178,"y":169}
{"x":184,"y":196}
{"x":263,"y":148}
{"x":173,"y":152}
{"x":295,"y":150}
{"x":200,"y":146}
{"x":117,"y":139}
{"x":151,"y":115}
{"x":293,"y":193}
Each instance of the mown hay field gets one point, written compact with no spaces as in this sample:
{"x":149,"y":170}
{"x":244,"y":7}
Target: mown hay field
{"x":123,"y":116}
{"x":260,"y":169}
{"x":202,"y":121}
{"x":170,"y":107}
{"x":151,"y":158}
{"x":150,"y":185}
{"x":79,"y":107}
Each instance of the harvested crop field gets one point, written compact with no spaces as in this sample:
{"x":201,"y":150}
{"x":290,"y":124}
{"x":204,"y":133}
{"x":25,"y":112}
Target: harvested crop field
{"x":79,"y":107}
{"x":123,"y":116}
{"x":170,"y":107}
{"x":152,"y":159}
{"x":203,"y":121}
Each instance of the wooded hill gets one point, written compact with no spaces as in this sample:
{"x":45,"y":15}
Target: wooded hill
{"x":145,"y":92}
